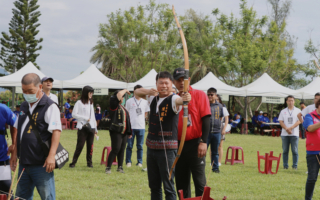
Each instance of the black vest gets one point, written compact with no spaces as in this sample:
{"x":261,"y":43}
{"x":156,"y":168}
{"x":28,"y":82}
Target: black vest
{"x":29,"y":151}
{"x":169,"y":122}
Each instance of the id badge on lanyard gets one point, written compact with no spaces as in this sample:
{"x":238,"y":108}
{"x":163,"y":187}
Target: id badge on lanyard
{"x":139,"y":111}
{"x":290,"y":120}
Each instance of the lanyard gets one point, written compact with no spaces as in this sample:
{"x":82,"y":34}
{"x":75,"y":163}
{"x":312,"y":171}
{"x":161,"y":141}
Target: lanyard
{"x":291,"y":112}
{"x":136,"y":102}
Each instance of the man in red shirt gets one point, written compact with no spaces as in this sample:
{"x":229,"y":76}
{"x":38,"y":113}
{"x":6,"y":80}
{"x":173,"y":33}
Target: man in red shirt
{"x":192,"y":158}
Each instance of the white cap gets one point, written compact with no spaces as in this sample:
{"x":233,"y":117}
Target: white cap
{"x":261,"y":112}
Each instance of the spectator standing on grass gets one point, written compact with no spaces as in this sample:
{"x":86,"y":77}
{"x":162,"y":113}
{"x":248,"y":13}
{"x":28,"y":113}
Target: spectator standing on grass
{"x":162,"y":139}
{"x":312,"y":125}
{"x":192,"y":159}
{"x":290,"y":132}
{"x":215,"y":131}
{"x":225,"y":120}
{"x":38,"y":166}
{"x":83,"y":111}
{"x":302,"y":130}
{"x":6,"y":117}
{"x":120,"y":129}
{"x":47,"y":83}
{"x":138,"y":109}
{"x":98,"y":116}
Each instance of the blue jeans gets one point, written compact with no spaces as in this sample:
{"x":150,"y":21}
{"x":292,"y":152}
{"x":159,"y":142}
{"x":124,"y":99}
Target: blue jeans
{"x":36,"y":176}
{"x":140,"y":138}
{"x":286,"y":141}
{"x":214,"y":140}
{"x":158,"y":173}
{"x":313,"y":170}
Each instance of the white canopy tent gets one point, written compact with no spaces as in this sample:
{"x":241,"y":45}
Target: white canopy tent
{"x":14,"y":79}
{"x":93,"y":77}
{"x":148,"y":81}
{"x":265,"y":86}
{"x":210,"y":80}
{"x":311,"y":89}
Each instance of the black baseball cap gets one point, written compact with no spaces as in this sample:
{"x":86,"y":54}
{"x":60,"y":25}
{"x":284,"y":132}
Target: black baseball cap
{"x":178,"y":73}
{"x":46,"y":78}
{"x":137,"y":87}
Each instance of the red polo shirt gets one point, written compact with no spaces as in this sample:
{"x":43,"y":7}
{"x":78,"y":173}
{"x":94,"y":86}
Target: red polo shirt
{"x":198,"y":107}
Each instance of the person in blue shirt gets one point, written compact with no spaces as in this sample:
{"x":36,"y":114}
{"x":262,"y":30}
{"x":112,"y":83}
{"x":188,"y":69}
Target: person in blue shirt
{"x":98,"y":116}
{"x":6,"y":117}
{"x":69,"y":115}
{"x":67,"y":106}
{"x":17,"y":111}
{"x":275,"y":119}
{"x":265,"y":119}
{"x":234,"y":124}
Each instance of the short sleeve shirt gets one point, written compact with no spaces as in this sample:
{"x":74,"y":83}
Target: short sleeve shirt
{"x":67,"y":105}
{"x":198,"y":108}
{"x":98,"y":116}
{"x":308,"y":109}
{"x":6,"y":117}
{"x":289,"y":118}
{"x":137,"y":109}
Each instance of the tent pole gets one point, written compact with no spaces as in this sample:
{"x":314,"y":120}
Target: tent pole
{"x":245,"y":116}
{"x":61,"y":98}
{"x":13,"y":97}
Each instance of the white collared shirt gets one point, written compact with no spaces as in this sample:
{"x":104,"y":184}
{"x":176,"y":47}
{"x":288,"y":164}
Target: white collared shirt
{"x":51,"y":117}
{"x":81,"y":112}
{"x":289,"y":118}
{"x":308,"y":110}
{"x":54,"y":98}
{"x":137,"y":120}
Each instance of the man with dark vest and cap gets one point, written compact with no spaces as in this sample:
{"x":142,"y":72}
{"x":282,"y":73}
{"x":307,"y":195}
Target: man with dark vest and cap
{"x":46,"y":116}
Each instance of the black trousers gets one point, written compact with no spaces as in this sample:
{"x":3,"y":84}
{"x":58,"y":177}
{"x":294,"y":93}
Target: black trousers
{"x":118,"y":145}
{"x":188,"y":164}
{"x":84,"y":137}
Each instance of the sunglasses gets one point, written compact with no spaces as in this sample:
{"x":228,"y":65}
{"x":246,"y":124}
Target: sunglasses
{"x":210,"y":95}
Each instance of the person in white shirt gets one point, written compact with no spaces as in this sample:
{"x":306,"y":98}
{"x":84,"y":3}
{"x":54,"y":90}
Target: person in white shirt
{"x":138,"y":109}
{"x":84,"y":113}
{"x":46,"y":88}
{"x":289,"y":122}
{"x":309,"y":108}
{"x":46,"y":119}
{"x":225,"y":119}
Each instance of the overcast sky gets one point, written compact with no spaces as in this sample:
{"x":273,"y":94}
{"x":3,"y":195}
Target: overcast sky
{"x":70,"y":28}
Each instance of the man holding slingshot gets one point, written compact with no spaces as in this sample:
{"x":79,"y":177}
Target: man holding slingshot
{"x":6,"y":117}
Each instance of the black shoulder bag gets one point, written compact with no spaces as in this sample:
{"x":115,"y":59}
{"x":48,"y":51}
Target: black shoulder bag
{"x":87,"y":127}
{"x":62,"y":155}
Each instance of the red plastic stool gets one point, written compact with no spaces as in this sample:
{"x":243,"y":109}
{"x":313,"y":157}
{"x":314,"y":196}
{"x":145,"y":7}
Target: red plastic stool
{"x":205,"y":196}
{"x":3,"y":197}
{"x":268,"y":163}
{"x":235,"y":152}
{"x":108,"y":152}
{"x":74,"y":125}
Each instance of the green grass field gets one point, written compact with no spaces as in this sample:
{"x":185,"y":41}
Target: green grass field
{"x":234,"y":181}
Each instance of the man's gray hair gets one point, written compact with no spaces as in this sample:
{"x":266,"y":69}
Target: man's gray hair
{"x":31,"y":78}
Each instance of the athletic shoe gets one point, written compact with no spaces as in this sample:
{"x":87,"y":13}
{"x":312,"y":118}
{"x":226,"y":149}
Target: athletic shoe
{"x":72,"y":165}
{"x":294,"y":168}
{"x":108,"y":170}
{"x":139,"y":165}
{"x":285,"y":167}
{"x":91,"y":166}
{"x":128,"y":164}
{"x":120,"y":169}
{"x":216,"y":171}
{"x":219,"y":164}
